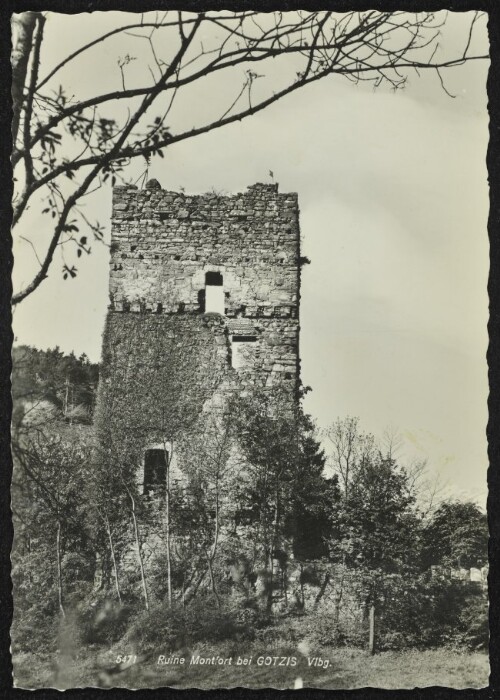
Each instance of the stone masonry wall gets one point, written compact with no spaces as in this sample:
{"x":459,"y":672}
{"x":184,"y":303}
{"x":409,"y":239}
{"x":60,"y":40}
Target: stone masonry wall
{"x":273,"y":358}
{"x":164,"y":242}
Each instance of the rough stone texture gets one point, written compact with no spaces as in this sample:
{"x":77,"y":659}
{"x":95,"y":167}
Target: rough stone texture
{"x":158,"y":342}
{"x":163,"y":244}
{"x":272,"y":359}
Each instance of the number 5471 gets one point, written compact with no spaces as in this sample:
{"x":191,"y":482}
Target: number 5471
{"x":128,"y":659}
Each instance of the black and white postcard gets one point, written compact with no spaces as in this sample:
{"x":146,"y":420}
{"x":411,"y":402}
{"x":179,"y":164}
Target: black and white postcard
{"x":249,"y":367}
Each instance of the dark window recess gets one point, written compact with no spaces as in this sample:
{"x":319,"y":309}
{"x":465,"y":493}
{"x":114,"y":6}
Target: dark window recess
{"x":245,"y":516}
{"x":177,"y":257}
{"x":213,"y":279}
{"x":164,"y":216}
{"x":201,"y":300}
{"x":132,"y":248}
{"x":244,"y":338}
{"x":288,"y":375}
{"x":155,"y":469}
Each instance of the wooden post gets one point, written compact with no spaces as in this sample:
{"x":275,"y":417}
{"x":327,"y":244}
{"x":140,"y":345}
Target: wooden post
{"x":371,"y":641}
{"x":303,"y":602}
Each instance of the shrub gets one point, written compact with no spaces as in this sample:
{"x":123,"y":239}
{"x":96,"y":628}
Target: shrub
{"x":103,"y":622}
{"x":473,"y":622}
{"x":200,"y":621}
{"x":425,"y":613}
{"x":36,"y":628}
{"x":159,"y":626}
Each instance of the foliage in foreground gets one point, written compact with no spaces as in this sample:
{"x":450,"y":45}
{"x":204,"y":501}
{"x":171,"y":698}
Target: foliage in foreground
{"x":259,"y":543}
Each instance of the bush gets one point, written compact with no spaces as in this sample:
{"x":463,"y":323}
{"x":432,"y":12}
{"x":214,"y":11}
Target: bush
{"x":431,"y":613}
{"x":200,"y":621}
{"x":473,"y":624}
{"x":36,"y":628}
{"x":159,"y":626}
{"x":205,"y":622}
{"x":103,"y":622}
{"x":410,"y":612}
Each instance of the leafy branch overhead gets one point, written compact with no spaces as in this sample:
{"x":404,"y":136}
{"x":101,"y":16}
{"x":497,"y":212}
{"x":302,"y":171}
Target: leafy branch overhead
{"x":66,"y":146}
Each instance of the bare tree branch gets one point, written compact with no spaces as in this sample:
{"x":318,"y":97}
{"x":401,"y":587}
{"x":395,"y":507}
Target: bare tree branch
{"x":368,"y":46}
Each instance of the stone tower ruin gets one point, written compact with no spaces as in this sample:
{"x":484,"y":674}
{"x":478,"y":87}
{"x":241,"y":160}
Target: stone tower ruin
{"x":221,"y":267}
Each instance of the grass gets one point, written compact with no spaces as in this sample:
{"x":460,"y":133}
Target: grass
{"x":346,"y":668}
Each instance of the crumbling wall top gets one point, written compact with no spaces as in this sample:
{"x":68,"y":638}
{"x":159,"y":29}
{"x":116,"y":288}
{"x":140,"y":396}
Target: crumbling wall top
{"x":165,"y":243}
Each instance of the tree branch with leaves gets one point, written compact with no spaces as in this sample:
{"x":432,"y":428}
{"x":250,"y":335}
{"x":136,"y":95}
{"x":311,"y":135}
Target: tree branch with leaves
{"x":68,"y":145}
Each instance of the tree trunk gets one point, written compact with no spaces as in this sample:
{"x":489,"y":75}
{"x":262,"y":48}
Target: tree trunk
{"x":113,"y":558}
{"x":28,"y":544}
{"x":338,"y":598}
{"x":24,"y":27}
{"x":139,"y":553}
{"x":191,"y":592}
{"x":59,"y":571}
{"x":212,"y":582}
{"x":98,"y":572}
{"x":371,"y":638}
{"x":322,"y":590}
{"x":211,"y":555}
{"x":273,"y":548}
{"x":270,"y":584}
{"x":66,"y":398}
{"x":168,"y":460}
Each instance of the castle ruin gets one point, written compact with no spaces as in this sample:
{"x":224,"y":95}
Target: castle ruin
{"x":192,"y":271}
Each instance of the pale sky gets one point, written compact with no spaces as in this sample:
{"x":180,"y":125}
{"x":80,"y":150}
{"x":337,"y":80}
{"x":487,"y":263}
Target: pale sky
{"x":394,"y":202}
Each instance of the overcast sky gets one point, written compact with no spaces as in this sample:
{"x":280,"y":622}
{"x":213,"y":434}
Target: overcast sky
{"x":394,"y":201}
